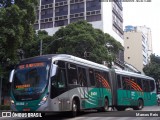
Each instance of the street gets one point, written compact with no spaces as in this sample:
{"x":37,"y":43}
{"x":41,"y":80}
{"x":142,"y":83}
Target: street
{"x":148,"y":113}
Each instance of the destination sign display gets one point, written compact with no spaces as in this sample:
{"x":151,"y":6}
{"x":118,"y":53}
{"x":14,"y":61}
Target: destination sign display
{"x":31,"y":65}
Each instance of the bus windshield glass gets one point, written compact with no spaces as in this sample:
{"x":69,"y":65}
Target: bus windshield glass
{"x":30,"y":78}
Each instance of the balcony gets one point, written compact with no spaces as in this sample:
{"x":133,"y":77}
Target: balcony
{"x":117,"y":14}
{"x":118,"y":4}
{"x":118,"y":28}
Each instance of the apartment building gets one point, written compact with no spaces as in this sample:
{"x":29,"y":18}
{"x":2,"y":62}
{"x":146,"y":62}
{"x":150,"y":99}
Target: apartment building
{"x":138,"y":46}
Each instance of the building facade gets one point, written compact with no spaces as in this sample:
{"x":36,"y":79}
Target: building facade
{"x":107,"y":16}
{"x":138,"y":46}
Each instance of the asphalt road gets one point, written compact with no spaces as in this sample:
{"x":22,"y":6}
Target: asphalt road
{"x":148,"y":113}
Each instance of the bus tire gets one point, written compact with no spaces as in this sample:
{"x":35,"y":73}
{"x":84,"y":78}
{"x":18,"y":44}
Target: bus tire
{"x":140,"y":105}
{"x":75,"y":108}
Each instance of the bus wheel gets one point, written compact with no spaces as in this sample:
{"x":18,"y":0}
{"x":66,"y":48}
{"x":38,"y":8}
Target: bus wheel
{"x":74,"y":108}
{"x":139,"y":106}
{"x":106,"y":105}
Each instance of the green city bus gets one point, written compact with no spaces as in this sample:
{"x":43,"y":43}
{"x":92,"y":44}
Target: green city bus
{"x":61,"y":83}
{"x":132,"y":90}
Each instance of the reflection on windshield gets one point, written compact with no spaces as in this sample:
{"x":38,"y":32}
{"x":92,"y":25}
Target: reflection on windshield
{"x":30,"y":80}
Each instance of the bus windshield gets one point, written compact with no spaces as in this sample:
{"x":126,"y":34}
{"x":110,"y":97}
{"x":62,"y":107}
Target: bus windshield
{"x":30,"y":79}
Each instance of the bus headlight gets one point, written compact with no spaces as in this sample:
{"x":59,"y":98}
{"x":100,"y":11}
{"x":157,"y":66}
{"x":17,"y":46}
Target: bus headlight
{"x":44,"y":99}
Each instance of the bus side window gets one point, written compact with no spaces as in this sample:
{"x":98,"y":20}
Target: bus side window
{"x":119,"y":81}
{"x":134,"y":81}
{"x":82,"y":76}
{"x":146,"y":85}
{"x":61,"y":78}
{"x":91,"y":77}
{"x":106,"y":77}
{"x":98,"y":78}
{"x":72,"y":74}
{"x":125,"y":82}
{"x":152,"y":85}
{"x":60,"y":64}
{"x":139,"y":82}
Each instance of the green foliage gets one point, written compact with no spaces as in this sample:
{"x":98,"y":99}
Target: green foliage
{"x":33,"y":48}
{"x":16,"y":32}
{"x":5,"y":3}
{"x":153,"y":68}
{"x":82,"y":40}
{"x":11,"y":31}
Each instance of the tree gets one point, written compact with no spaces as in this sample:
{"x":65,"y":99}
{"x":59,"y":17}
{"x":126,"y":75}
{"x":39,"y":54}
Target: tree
{"x":33,"y":48}
{"x":153,"y":68}
{"x":16,"y":29}
{"x":16,"y":21}
{"x":11,"y":32}
{"x":82,"y":40}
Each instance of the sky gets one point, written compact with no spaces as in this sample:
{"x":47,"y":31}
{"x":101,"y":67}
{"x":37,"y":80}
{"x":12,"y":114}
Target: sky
{"x":144,"y":13}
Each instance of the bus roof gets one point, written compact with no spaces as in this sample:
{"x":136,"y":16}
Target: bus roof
{"x":64,"y":57}
{"x":79,"y":61}
{"x":37,"y":58}
{"x":123,"y":72}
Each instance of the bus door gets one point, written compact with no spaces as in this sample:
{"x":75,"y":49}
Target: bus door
{"x":82,"y":76}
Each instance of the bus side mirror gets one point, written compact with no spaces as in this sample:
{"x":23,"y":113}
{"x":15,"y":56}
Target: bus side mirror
{"x":11,"y":76}
{"x":53,"y":70}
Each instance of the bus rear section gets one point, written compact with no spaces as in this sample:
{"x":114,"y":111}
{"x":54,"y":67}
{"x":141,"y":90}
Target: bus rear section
{"x":133,"y":90}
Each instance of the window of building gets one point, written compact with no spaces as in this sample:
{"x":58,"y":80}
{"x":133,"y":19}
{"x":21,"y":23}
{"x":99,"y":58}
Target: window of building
{"x":43,"y":2}
{"x":76,"y":19}
{"x":62,"y":10}
{"x":77,"y":8}
{"x":46,"y":25}
{"x":93,"y":5}
{"x":128,"y":57}
{"x":127,"y":47}
{"x":94,"y":18}
{"x":61,"y":23}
